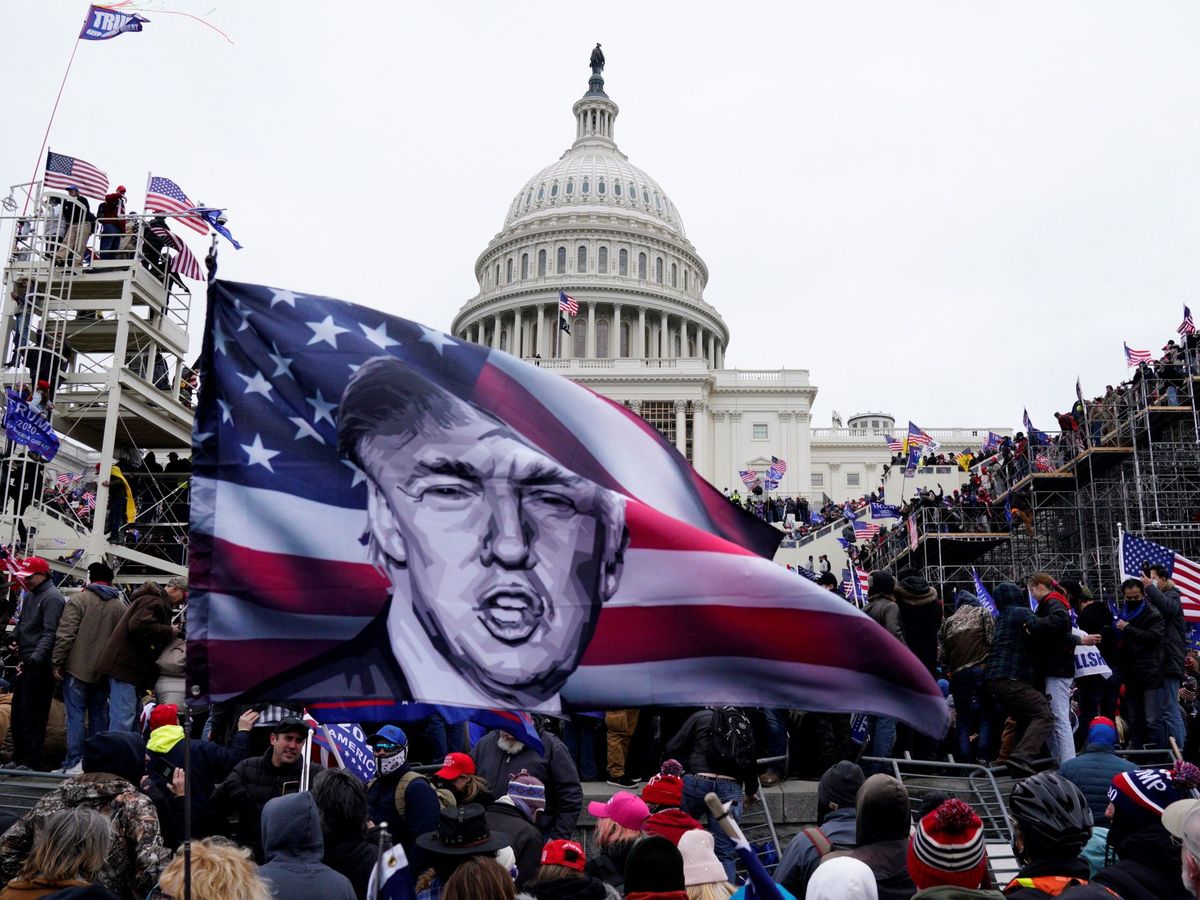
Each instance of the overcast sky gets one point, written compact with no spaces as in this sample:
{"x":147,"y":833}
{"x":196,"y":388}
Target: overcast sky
{"x":944,"y":210}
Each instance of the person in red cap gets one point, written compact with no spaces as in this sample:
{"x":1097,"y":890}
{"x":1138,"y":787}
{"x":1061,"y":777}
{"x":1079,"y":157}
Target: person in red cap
{"x":109,"y":214}
{"x":946,"y":848}
{"x":33,"y":687}
{"x":458,"y":771}
{"x":562,"y":876}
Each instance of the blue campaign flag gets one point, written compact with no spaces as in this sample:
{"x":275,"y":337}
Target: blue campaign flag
{"x":914,"y":457}
{"x":519,"y":724}
{"x":885,"y":511}
{"x":350,"y":741}
{"x":1036,"y":438}
{"x":1008,"y":510}
{"x":103,"y":23}
{"x":859,"y":728}
{"x":845,"y":543}
{"x":985,"y":598}
{"x":25,"y":425}
{"x":213,"y":217}
{"x":848,"y":512}
{"x":815,"y":518}
{"x":1033,"y":603}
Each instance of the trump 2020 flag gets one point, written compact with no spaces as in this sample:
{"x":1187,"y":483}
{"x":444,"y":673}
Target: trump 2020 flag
{"x":381,"y":511}
{"x":103,"y":24}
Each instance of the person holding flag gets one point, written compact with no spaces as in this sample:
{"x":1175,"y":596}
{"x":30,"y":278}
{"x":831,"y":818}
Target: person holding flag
{"x":963,"y":643}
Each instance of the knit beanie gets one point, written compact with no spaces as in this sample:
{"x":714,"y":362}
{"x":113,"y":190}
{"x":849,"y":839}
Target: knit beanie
{"x":164,"y":714}
{"x":1102,"y":731}
{"x":671,"y":824}
{"x":528,"y":793}
{"x":882,"y":811}
{"x":120,"y":753}
{"x":665,"y":788}
{"x":700,"y":863}
{"x":1139,"y":797}
{"x":654,"y":864}
{"x":881,"y":583}
{"x":839,"y":785}
{"x":946,"y":848}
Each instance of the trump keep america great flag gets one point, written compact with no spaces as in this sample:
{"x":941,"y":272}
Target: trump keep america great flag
{"x":383,"y":512}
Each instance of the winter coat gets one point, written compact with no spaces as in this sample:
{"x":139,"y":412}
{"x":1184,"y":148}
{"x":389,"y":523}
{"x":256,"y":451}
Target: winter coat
{"x":801,"y":858}
{"x":38,"y":623}
{"x":693,"y":746}
{"x":1097,"y":618}
{"x":137,"y":855}
{"x":888,"y":861}
{"x":1053,"y":642}
{"x":608,"y":863}
{"x":421,"y":809}
{"x":1148,"y":868}
{"x":1092,"y":771}
{"x":21,"y":889}
{"x":585,"y":888}
{"x":921,"y":616}
{"x":293,"y":845}
{"x":951,"y":892}
{"x":525,"y":837}
{"x":1011,"y":654}
{"x":884,"y":610}
{"x":965,"y":638}
{"x":132,"y":652}
{"x":353,"y":856}
{"x":88,"y":621}
{"x":556,"y":770}
{"x":250,"y":785}
{"x":1140,"y":648}
{"x":1023,"y":887}
{"x":1177,"y":633}
{"x":210,"y":765}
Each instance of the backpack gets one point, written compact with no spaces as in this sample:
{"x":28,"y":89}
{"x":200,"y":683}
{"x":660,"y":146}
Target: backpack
{"x":821,"y":842}
{"x":732,"y":736}
{"x":444,"y":795}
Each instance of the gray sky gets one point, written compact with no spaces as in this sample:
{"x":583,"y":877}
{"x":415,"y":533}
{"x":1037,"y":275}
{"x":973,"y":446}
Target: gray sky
{"x":945,"y":210}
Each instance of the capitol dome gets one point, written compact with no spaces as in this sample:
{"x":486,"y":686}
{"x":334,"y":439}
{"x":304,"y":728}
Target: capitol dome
{"x":594,"y":227}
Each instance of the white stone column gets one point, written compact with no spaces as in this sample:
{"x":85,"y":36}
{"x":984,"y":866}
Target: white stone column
{"x":539,"y":348}
{"x":614,"y":333}
{"x":720,"y":355}
{"x":518,"y":349}
{"x":802,"y":464}
{"x":720,"y":451}
{"x":700,"y":439}
{"x":681,"y":426}
{"x":664,"y":337}
{"x":641,"y":333}
{"x":479,"y":332}
{"x":591,"y":332}
{"x":735,"y":458}
{"x":496,"y":331}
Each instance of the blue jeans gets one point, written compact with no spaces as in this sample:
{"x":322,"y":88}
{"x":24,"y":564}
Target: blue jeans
{"x":1062,"y":740}
{"x":777,"y":735}
{"x":122,"y":705}
{"x":973,"y":712}
{"x":83,"y":699}
{"x":1172,"y":714}
{"x":694,"y":789}
{"x":883,"y":739}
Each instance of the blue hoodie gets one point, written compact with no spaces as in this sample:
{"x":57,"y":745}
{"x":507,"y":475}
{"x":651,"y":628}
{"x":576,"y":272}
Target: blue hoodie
{"x":293,"y":846}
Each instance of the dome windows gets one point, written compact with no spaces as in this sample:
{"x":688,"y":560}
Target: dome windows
{"x":570,"y":186}
{"x":602,"y":258}
{"x":623,"y":262}
{"x":508,"y":270}
{"x":658,"y":269}
{"x":587,"y":186}
{"x":645,"y":196}
{"x":528,"y":197}
{"x":541,"y":192}
{"x":674,"y":275}
{"x":602,"y":338}
{"x":600,"y":187}
{"x":554,"y":189}
{"x":657,"y":201}
{"x":616,"y":188}
{"x":524,"y":266}
{"x":581,"y":259}
{"x":686,"y":272}
{"x":632,"y":192}
{"x":541,"y":263}
{"x":560,"y":264}
{"x":641,"y":267}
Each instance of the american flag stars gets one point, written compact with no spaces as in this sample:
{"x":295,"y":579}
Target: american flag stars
{"x":325,"y":331}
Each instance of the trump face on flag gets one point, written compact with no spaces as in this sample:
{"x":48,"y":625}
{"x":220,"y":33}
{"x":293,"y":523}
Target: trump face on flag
{"x":498,"y":557}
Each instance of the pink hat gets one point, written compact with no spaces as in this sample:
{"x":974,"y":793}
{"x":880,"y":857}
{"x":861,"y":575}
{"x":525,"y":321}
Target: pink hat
{"x":626,"y":809}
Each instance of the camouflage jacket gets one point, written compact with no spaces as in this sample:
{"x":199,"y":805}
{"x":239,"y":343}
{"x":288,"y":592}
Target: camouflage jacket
{"x":137,"y":855}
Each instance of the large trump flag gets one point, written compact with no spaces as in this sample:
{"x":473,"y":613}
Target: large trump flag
{"x":382,"y":512}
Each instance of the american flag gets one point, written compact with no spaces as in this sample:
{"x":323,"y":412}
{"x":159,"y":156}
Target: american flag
{"x":567,"y":304}
{"x":777,"y":469}
{"x":1036,"y":437}
{"x":16,"y":566}
{"x":165,"y":196}
{"x":62,"y":171}
{"x":918,"y":438}
{"x":1136,"y":357}
{"x":855,"y":588}
{"x":865,"y":530}
{"x":1184,"y":572}
{"x":182,"y":262}
{"x":896,"y":446}
{"x":68,"y":477}
{"x":749,"y":477}
{"x":89,"y":499}
{"x":275,"y":596}
{"x":1187,"y":326}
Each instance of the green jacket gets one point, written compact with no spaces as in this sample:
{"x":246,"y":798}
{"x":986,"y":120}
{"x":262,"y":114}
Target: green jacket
{"x":948,"y":892}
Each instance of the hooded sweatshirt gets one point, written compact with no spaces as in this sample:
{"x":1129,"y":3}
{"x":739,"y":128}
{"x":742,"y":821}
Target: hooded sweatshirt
{"x":88,"y":621}
{"x":921,"y":615}
{"x":883,"y":824}
{"x":292,"y":843}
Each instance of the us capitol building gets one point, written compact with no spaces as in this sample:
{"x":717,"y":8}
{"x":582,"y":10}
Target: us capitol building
{"x":595,"y":226}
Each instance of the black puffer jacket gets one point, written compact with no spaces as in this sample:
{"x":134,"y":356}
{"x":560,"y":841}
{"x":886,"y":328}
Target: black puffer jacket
{"x":584,"y":888}
{"x":1148,"y":868}
{"x":1140,"y":648}
{"x":1169,"y":604}
{"x":921,"y":614}
{"x":608,"y":864}
{"x":1052,"y":640}
{"x":246,"y":791}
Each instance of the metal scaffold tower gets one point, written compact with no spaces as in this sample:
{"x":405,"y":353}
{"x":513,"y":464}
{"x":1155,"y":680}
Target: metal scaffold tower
{"x":95,"y":336}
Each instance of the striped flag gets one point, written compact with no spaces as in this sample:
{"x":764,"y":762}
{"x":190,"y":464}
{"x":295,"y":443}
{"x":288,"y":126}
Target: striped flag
{"x":165,"y":196}
{"x":855,"y":588}
{"x":992,"y":444}
{"x":1136,"y":357}
{"x":183,"y":263}
{"x":911,"y":524}
{"x":567,"y":304}
{"x":64,"y":171}
{"x":896,"y":446}
{"x":918,"y":438}
{"x":865,"y":530}
{"x":1184,"y":572}
{"x":68,"y":477}
{"x":1187,"y":326}
{"x":749,"y":477}
{"x":619,"y":539}
{"x":777,"y":468}
{"x":89,"y":499}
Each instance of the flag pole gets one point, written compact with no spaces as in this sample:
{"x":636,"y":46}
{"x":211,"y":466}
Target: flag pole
{"x":53,"y":111}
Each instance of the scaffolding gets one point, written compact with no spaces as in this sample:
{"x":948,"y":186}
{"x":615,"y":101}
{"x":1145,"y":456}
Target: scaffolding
{"x":95,"y":335}
{"x":1057,"y":506}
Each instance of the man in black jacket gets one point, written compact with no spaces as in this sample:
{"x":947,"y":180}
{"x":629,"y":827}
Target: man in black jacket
{"x":1140,"y":653}
{"x":1168,"y":600}
{"x":698,"y":745}
{"x":258,"y":779}
{"x":34,"y":687}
